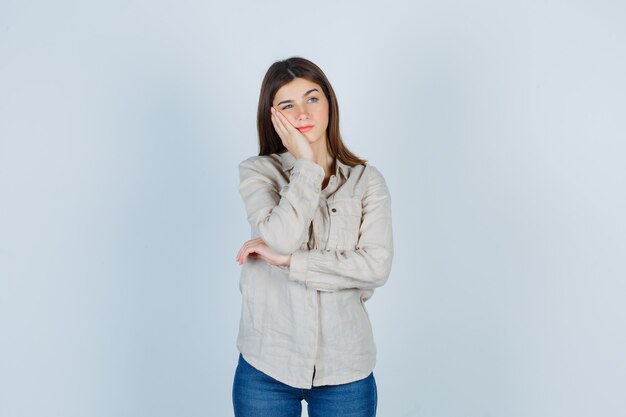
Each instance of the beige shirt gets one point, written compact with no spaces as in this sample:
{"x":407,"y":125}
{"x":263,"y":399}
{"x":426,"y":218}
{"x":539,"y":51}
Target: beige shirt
{"x":306,"y":324}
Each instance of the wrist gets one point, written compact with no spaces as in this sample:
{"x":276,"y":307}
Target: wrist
{"x":303,"y":153}
{"x":305,"y":156}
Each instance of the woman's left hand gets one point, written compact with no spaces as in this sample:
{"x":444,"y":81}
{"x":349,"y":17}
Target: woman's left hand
{"x":258,"y":248}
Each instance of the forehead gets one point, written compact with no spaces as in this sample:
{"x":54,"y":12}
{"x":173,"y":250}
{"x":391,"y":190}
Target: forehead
{"x":295,"y":89}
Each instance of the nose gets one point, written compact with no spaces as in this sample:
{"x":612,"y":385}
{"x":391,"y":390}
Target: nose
{"x":303,"y":114}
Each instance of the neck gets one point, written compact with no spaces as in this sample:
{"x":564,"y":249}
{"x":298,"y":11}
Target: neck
{"x":322,"y":157}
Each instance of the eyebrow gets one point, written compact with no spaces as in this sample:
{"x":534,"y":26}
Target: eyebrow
{"x":303,"y":95}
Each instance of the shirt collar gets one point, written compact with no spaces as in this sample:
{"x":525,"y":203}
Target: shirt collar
{"x":288,"y":161}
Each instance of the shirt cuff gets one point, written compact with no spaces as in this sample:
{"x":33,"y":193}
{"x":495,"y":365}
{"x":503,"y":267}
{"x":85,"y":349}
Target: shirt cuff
{"x":298,"y":266}
{"x":310,"y":169}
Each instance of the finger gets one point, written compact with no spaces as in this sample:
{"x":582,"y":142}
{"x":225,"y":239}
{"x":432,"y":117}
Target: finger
{"x":286,"y":123}
{"x":237,"y":256}
{"x":242,"y":255}
{"x":240,"y":252}
{"x":253,"y":255}
{"x":279,"y":126}
{"x":245,"y":247}
{"x":250,"y":250}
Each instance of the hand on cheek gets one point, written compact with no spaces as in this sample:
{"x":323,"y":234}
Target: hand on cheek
{"x":294,"y":140}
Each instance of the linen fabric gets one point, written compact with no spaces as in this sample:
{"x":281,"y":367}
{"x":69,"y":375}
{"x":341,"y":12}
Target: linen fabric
{"x":306,"y":324}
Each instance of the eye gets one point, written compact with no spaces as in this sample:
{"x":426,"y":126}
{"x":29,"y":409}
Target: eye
{"x":288,"y":106}
{"x":314,"y":99}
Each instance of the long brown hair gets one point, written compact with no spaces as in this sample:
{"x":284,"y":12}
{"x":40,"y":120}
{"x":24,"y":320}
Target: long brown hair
{"x":281,"y":73}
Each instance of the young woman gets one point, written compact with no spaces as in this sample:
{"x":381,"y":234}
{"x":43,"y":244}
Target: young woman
{"x":321,"y":242}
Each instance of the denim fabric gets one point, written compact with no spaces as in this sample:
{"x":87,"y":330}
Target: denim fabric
{"x":256,"y":394}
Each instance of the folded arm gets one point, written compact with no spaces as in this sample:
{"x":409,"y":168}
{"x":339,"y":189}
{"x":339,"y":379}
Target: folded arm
{"x":366,"y":266}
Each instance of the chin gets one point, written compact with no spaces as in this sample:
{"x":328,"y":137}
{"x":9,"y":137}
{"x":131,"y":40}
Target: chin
{"x":312,"y":139}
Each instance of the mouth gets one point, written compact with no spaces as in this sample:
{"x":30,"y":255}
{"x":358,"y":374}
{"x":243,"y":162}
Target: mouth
{"x":305,"y":128}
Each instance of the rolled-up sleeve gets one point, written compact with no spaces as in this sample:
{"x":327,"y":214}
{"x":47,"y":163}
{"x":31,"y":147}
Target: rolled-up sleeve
{"x":369,"y":264}
{"x":280,"y":217}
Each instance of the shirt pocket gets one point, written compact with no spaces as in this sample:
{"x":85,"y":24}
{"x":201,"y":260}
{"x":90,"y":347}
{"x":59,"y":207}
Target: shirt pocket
{"x":345,"y":223}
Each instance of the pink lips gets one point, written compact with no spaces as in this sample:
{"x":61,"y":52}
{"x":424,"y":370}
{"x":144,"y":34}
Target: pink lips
{"x":305,"y":128}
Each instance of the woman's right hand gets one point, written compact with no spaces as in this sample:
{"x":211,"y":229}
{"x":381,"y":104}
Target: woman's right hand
{"x":257,"y":248}
{"x":296,"y":143}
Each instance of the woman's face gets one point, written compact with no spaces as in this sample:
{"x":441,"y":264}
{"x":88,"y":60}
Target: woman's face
{"x":305,"y":106}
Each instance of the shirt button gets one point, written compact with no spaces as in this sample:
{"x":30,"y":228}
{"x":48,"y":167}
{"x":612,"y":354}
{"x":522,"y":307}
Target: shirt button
{"x":334,"y":210}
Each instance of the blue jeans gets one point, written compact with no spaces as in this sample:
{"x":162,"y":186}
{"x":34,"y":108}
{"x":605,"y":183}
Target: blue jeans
{"x":256,"y":394}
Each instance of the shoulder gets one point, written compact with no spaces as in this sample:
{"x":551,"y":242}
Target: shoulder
{"x":365,"y":173}
{"x":260,"y":164}
{"x":366,"y":180}
{"x":261,"y":161}
{"x":373,"y":172}
{"x":375,"y":180}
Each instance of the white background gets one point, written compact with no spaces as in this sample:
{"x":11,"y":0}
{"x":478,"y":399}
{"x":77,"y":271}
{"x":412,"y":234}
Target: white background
{"x":499,"y":126}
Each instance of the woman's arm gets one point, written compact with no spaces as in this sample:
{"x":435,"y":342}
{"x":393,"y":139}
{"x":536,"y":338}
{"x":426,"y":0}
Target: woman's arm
{"x":280,"y":218}
{"x":369,"y":264}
